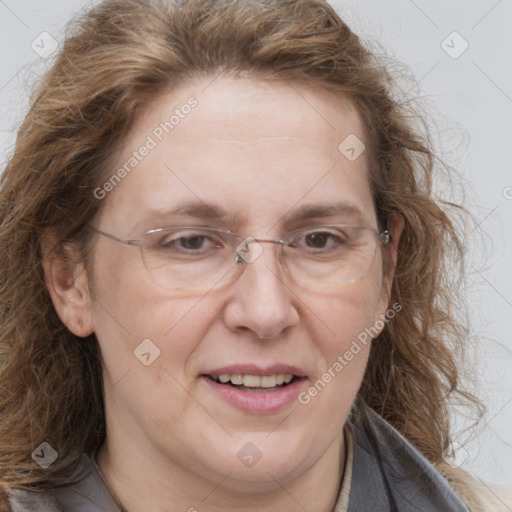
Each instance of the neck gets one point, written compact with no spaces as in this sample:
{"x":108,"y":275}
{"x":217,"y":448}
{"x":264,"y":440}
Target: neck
{"x":141,"y":481}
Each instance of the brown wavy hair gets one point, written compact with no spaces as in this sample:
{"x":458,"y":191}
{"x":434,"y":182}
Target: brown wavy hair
{"x":115,"y":60}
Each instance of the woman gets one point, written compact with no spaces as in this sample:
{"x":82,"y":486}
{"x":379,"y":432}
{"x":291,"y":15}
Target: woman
{"x":224,"y":276}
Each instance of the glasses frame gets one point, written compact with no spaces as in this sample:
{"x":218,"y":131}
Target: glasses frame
{"x":384,"y":237}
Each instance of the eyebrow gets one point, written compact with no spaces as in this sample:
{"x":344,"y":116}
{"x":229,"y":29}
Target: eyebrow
{"x":328,"y":210}
{"x":204,"y":211}
{"x":211,"y":212}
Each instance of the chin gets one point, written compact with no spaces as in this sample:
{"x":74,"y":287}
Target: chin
{"x":252,"y":470}
{"x":260,"y":479}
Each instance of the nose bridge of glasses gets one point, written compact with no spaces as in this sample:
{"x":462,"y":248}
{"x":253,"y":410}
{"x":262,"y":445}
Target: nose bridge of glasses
{"x":246,"y":253}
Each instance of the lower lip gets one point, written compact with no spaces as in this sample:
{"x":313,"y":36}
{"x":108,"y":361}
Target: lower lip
{"x":260,"y":402}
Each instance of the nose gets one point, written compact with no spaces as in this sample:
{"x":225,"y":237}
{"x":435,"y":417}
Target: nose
{"x":260,"y":301}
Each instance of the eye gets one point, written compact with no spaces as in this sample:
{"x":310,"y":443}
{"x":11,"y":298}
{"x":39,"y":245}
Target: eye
{"x":320,"y":240}
{"x":191,"y":242}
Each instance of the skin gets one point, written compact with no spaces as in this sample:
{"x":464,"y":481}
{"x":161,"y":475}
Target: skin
{"x":259,"y":150}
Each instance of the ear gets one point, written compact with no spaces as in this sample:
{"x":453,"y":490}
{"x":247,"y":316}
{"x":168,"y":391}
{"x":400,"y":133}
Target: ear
{"x":67,"y":283}
{"x":395,"y":227}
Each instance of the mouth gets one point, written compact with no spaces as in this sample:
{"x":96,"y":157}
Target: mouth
{"x":255,"y":389}
{"x":255,"y":383}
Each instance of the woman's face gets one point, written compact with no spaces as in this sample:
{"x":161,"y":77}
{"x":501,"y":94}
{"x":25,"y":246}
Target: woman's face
{"x":260,"y":153}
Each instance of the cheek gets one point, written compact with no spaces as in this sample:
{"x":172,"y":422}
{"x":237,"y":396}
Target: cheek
{"x":342,"y":337}
{"x":343,"y":315}
{"x":129,"y":309}
{"x":344,"y":325}
{"x":337,"y":324}
{"x":147,"y":339}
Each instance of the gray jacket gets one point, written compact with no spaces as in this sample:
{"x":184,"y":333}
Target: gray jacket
{"x":388,"y":475}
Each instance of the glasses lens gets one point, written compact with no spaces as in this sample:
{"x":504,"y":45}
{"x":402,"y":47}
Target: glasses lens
{"x":190,"y":259}
{"x":330,"y":256}
{"x":202,"y":259}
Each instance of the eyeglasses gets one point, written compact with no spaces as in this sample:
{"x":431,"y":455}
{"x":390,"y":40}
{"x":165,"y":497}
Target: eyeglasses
{"x":192,"y":258}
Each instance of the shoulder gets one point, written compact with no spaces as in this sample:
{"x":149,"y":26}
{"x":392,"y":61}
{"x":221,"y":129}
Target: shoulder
{"x":397,"y":469}
{"x":401,"y":477}
{"x":21,"y":500}
{"x":479,"y":495}
{"x":85,"y":491}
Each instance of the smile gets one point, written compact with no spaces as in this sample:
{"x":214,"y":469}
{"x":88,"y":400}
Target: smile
{"x":266,"y":393}
{"x":256,"y":383}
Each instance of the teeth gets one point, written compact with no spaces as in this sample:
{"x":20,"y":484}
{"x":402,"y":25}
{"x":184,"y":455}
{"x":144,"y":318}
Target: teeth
{"x":255,"y":381}
{"x":251,"y":381}
{"x":267,"y":381}
{"x":237,"y":379}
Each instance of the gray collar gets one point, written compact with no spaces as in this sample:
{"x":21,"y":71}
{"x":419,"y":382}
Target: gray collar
{"x":389,"y":474}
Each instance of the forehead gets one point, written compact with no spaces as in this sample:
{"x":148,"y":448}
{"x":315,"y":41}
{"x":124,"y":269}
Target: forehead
{"x":256,"y":150}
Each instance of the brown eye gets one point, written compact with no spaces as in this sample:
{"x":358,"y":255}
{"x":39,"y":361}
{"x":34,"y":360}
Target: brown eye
{"x":317,"y":240}
{"x":192,"y":242}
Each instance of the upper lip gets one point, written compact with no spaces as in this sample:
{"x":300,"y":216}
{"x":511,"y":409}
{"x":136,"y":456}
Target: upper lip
{"x":252,"y":369}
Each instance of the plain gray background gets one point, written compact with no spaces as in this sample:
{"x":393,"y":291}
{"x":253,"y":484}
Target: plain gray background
{"x":460,"y":53}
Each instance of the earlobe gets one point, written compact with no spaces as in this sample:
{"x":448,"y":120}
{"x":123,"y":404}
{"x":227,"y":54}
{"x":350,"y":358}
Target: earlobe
{"x":66,"y":281}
